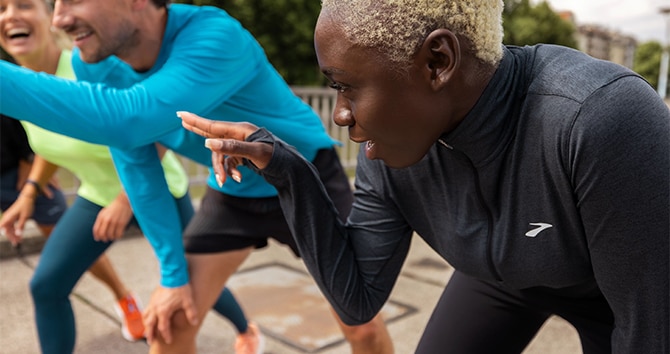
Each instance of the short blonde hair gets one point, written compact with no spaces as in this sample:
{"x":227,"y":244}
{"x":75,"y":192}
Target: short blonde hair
{"x":397,"y":28}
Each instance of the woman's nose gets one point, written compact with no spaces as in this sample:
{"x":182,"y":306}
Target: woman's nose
{"x":342,"y":115}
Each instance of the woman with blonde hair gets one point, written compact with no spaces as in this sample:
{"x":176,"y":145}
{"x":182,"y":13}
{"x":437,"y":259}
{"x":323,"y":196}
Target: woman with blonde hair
{"x":539,"y":173}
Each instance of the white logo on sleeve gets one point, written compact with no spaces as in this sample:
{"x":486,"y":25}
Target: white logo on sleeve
{"x":540,"y":227}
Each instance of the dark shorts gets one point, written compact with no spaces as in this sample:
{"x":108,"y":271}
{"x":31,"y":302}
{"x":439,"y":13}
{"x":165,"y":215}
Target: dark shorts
{"x":226,"y":223}
{"x":47,"y":210}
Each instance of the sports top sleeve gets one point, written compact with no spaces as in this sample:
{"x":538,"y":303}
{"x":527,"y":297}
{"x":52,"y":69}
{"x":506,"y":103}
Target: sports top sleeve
{"x":205,"y":57}
{"x":155,"y":210}
{"x":355,"y":265}
{"x":622,"y":134}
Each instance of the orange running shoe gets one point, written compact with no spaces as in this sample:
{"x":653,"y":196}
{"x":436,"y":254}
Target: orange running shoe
{"x":130,"y":313}
{"x":251,"y":341}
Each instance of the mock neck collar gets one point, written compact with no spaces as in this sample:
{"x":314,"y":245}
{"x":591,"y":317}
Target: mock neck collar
{"x":488,"y":127}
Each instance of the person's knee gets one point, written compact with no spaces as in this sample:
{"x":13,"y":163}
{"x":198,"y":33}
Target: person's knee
{"x":367,"y":333}
{"x":46,"y":287}
{"x":181,"y":327}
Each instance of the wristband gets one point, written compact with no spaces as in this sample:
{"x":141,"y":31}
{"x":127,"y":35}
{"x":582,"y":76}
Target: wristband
{"x":36,"y":185}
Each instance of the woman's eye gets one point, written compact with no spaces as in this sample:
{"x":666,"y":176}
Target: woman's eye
{"x":339,"y":88}
{"x":25,"y":5}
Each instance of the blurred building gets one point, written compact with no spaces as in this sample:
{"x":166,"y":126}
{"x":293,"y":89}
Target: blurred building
{"x":603,"y":43}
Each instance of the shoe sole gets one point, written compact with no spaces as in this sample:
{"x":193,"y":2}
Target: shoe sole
{"x":261,"y":343}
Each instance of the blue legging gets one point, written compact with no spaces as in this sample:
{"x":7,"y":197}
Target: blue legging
{"x":67,"y":254}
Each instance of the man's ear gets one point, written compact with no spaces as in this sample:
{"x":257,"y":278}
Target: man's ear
{"x":439,"y":57}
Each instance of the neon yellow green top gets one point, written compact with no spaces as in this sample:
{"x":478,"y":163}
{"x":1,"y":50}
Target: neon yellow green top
{"x":91,"y":163}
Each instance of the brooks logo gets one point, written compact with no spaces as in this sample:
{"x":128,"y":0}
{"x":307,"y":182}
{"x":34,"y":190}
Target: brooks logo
{"x":540,"y":227}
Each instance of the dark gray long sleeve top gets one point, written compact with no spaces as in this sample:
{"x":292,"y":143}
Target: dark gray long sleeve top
{"x":557,"y":139}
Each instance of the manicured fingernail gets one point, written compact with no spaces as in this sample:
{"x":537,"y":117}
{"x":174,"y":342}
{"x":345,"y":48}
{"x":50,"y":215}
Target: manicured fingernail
{"x":212,"y":143}
{"x":179,"y":114}
{"x":237,"y":178}
{"x":218,"y":180}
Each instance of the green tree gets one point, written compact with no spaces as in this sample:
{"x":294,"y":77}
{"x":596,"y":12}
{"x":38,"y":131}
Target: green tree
{"x":525,"y":24}
{"x":285,"y":29}
{"x":647,"y":61}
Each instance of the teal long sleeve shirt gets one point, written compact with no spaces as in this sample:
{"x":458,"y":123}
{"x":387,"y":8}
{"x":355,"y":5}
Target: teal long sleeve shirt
{"x":209,"y":65}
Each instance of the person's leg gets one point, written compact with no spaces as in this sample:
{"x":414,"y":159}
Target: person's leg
{"x":592,"y":318}
{"x":209,"y":273}
{"x":227,"y":306}
{"x":67,"y":254}
{"x":474,"y":317}
{"x":371,"y":337}
{"x":127,"y":305}
{"x":103,"y":270}
{"x":212,"y":257}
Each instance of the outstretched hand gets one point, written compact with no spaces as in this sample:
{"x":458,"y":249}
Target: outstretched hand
{"x":227,"y":140}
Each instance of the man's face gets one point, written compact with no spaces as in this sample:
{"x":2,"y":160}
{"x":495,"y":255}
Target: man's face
{"x":99,"y":28}
{"x":389,"y":112}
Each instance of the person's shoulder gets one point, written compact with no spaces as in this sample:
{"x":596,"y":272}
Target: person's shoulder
{"x":195,"y":24}
{"x":569,"y":73}
{"x":182,"y":14}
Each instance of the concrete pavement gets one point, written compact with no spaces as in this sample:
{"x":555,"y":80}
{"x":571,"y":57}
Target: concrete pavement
{"x":295,"y":319}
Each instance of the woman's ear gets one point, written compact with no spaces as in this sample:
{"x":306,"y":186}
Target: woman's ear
{"x":439,"y":57}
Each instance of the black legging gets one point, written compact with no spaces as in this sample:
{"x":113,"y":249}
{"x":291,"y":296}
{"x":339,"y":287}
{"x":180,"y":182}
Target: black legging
{"x":474,"y":316}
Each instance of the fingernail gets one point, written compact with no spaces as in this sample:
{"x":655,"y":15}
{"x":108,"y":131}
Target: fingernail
{"x":213,"y":143}
{"x":237,"y":178}
{"x":218,"y":180}
{"x":179,"y":114}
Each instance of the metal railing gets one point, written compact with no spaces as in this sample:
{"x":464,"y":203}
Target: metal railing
{"x":322,"y":100}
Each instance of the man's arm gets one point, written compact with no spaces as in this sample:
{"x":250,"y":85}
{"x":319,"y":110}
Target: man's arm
{"x":208,"y":64}
{"x":141,"y":172}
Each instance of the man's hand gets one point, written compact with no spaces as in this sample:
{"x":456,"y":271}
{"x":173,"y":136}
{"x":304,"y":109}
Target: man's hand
{"x":163,"y":304}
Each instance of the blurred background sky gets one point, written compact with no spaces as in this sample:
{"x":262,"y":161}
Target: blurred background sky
{"x":638,"y":18}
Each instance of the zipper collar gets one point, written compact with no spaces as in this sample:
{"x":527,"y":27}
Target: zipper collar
{"x":489,"y":127}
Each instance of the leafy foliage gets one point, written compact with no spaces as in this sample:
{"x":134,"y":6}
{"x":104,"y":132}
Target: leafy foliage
{"x":285,"y":29}
{"x":647,"y":61}
{"x":525,"y":24}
